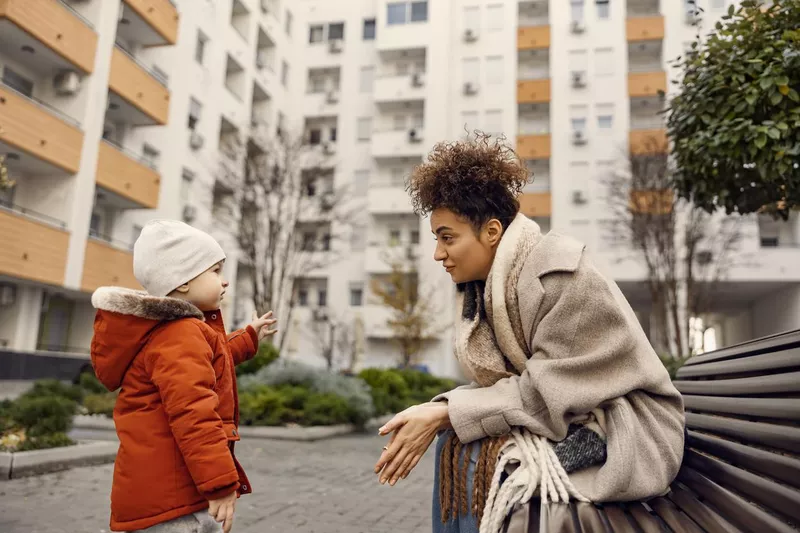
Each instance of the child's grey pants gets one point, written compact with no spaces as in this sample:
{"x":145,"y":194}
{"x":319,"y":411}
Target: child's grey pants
{"x":199,"y":522}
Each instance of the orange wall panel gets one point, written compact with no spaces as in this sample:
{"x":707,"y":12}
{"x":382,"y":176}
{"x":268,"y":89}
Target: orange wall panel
{"x":138,"y":87}
{"x":645,"y":28}
{"x":533,"y":91}
{"x":533,"y":146}
{"x":117,"y":172}
{"x":537,"y":204}
{"x":160,"y":14}
{"x":105,"y":265}
{"x":32,"y":250}
{"x":533,"y":38}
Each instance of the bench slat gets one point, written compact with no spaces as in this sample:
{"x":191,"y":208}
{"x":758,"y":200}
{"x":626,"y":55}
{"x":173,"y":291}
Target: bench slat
{"x":782,"y":408}
{"x":590,"y":518}
{"x":647,"y":522}
{"x":617,"y":519}
{"x":758,"y":363}
{"x":769,"y":494}
{"x":771,"y":435}
{"x":779,"y":467}
{"x":678,"y":521}
{"x":775,"y":384}
{"x":771,"y":343}
{"x":734,"y":508}
{"x":704,"y":516}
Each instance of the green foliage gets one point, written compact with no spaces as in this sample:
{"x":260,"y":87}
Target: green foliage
{"x":326,"y":409}
{"x":6,"y":421}
{"x":672,"y":364}
{"x":43,"y":414}
{"x":267,"y":353}
{"x":100,"y":404}
{"x":735,"y":122}
{"x":396,"y":389}
{"x":49,"y":440}
{"x":53,"y":387}
{"x":89,"y":383}
{"x":264,"y":405}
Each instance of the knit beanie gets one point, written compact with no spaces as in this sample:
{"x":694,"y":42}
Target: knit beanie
{"x":169,"y":253}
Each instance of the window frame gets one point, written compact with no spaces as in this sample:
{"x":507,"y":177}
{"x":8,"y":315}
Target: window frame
{"x":365,"y":34}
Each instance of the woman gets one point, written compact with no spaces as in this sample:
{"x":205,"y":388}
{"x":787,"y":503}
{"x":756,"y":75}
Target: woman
{"x":567,"y":398}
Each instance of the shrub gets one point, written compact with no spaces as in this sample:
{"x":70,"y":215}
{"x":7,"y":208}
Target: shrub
{"x":50,"y":440}
{"x":326,"y":409}
{"x":43,"y":415}
{"x":267,"y":353}
{"x":263,"y":406}
{"x":6,"y":420}
{"x":54,"y":387}
{"x":100,"y":404}
{"x":89,"y":383}
{"x":396,"y":389}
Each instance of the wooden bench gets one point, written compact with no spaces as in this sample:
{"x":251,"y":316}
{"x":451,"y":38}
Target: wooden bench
{"x":741,"y":468}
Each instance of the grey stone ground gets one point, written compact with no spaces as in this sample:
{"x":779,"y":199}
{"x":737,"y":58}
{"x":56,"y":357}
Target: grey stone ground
{"x":320,"y":487}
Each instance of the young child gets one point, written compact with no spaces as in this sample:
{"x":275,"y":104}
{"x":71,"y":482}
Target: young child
{"x":177,"y":412}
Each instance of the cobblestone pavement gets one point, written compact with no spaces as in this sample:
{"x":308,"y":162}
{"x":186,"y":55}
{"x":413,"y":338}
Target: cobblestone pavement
{"x":320,"y":487}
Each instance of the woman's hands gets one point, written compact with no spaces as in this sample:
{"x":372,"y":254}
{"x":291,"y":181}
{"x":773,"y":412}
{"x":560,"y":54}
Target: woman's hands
{"x":414,"y":430}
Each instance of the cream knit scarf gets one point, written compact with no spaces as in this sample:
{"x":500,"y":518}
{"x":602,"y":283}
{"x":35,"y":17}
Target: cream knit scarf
{"x":490,"y":344}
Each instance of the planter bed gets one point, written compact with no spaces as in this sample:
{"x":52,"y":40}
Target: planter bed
{"x":21,"y":464}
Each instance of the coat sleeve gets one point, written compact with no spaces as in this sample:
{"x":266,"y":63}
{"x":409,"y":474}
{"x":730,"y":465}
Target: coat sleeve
{"x":243,"y":344}
{"x":180,"y":366}
{"x":589,"y":355}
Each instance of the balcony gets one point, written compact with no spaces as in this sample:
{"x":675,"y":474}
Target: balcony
{"x":399,"y":143}
{"x":60,"y":38}
{"x":653,"y":202}
{"x":322,"y":104}
{"x":105,"y":265}
{"x":533,"y":38}
{"x":533,"y":91}
{"x":125,"y":175}
{"x":533,"y":146}
{"x":149,"y":22}
{"x":379,"y":256}
{"x":137,"y":96}
{"x":648,"y":142}
{"x":376,"y":321}
{"x":52,"y":141}
{"x":642,"y":84}
{"x":389,"y":200}
{"x":535,"y":204}
{"x":390,"y":89}
{"x":34,"y":246}
{"x":645,"y":28}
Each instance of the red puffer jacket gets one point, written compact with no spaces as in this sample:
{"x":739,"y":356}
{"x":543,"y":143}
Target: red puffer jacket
{"x":177,"y":412}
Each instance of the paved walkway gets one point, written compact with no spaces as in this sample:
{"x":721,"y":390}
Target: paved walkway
{"x":321,"y":487}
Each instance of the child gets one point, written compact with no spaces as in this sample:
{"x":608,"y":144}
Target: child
{"x":177,"y":412}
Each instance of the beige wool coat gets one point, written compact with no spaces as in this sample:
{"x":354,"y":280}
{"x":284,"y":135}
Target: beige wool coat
{"x":587,"y":359}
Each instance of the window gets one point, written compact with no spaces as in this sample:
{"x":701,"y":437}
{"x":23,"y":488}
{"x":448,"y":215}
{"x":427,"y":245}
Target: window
{"x":316,"y":33}
{"x":494,"y":70}
{"x":602,"y":8}
{"x":579,"y":124}
{"x":288,"y":22}
{"x":200,"y":47}
{"x":394,"y":237}
{"x":369,"y":30}
{"x":396,"y":13}
{"x":332,"y":134}
{"x":396,"y":178}
{"x":308,"y":241}
{"x":364,"y":127}
{"x":316,"y":85}
{"x":315,"y":136}
{"x":366,"y":79}
{"x":577,"y":10}
{"x":605,"y":122}
{"x":356,"y":296}
{"x":399,"y":122}
{"x":604,"y":62}
{"x":150,"y":156}
{"x":469,"y":121}
{"x":472,"y":18}
{"x":419,"y":11}
{"x":414,"y":236}
{"x":187,"y":177}
{"x":284,"y":73}
{"x":326,"y":242}
{"x":494,"y":17}
{"x":195,"y":108}
{"x":17,"y":82}
{"x":578,"y":60}
{"x":336,"y":31}
{"x":401,"y":68}
{"x":322,"y":297}
{"x":360,"y":182}
{"x":470,"y":67}
{"x":310,"y":187}
{"x":494,"y":122}
{"x":302,"y":297}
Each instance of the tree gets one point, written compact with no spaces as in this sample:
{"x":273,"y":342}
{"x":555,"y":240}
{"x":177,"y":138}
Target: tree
{"x":335,"y":339}
{"x":5,"y":181}
{"x":413,"y":317}
{"x":291,"y":216}
{"x":686,"y":251}
{"x":735,"y":120}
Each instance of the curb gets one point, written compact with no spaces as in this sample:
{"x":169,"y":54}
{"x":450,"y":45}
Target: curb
{"x":21,"y":464}
{"x":301,"y":434}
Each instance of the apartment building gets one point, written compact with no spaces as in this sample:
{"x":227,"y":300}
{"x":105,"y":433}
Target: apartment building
{"x":113,"y":112}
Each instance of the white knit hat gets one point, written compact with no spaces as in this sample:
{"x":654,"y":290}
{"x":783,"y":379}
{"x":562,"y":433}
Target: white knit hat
{"x":169,"y":253}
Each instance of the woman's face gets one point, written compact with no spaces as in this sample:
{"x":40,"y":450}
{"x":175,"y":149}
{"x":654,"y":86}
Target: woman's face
{"x":465,"y":254}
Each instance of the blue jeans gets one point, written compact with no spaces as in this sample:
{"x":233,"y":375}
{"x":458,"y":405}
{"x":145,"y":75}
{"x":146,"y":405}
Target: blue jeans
{"x":461,"y":524}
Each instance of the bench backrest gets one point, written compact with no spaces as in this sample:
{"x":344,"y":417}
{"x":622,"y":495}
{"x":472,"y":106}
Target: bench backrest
{"x":743,"y":422}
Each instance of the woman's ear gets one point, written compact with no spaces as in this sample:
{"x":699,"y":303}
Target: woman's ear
{"x":494,"y":231}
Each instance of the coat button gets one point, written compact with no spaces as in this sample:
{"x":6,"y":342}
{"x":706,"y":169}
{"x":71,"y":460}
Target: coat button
{"x":234,"y":433}
{"x":213,"y":317}
{"x":244,"y":487}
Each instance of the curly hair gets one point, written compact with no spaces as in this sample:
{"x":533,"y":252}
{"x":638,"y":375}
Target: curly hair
{"x":475,"y":178}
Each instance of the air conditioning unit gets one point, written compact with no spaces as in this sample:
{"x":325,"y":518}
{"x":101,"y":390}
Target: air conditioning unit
{"x":329,"y":148}
{"x":579,"y":79}
{"x":332,"y":97}
{"x":690,"y":17}
{"x":196,"y":141}
{"x":327,"y":201}
{"x":470,"y":88}
{"x":470,"y":35}
{"x":704,"y":257}
{"x":577,"y":26}
{"x":414,"y":135}
{"x":579,"y":137}
{"x":189,"y":213}
{"x":66,"y":83}
{"x":579,"y":198}
{"x":417,"y":79}
{"x":335,"y":46}
{"x":320,"y":314}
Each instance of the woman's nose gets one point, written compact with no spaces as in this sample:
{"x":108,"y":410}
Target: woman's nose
{"x":439,"y":254}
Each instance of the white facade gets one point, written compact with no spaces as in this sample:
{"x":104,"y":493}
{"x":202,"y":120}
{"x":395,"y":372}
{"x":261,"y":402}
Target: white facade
{"x":380,"y":82}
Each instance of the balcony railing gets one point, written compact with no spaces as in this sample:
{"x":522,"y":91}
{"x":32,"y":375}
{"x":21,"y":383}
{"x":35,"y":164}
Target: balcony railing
{"x":31,"y":214}
{"x":642,"y":68}
{"x":155,"y":74}
{"x":139,"y":158}
{"x":78,"y":15}
{"x":44,"y":105}
{"x":116,"y":243}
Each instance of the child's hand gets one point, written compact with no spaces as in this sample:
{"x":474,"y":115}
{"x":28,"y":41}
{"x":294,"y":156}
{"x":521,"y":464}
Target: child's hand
{"x":222,"y":510}
{"x":262,"y":325}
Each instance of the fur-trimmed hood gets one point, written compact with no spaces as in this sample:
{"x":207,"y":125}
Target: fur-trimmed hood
{"x":125,"y":319}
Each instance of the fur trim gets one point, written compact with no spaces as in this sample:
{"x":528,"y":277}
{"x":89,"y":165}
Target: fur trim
{"x":143,"y":305}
